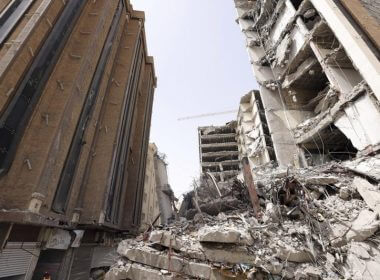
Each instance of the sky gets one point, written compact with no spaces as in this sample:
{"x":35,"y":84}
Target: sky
{"x":202,"y":67}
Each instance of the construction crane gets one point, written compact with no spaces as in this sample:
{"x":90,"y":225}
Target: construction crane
{"x":207,"y":115}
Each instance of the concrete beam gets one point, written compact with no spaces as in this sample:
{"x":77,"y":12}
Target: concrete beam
{"x":218,"y":136}
{"x":223,"y":163}
{"x":219,"y":145}
{"x":220,"y":154}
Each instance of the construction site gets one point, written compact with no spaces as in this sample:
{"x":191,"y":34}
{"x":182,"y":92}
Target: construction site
{"x":289,"y":188}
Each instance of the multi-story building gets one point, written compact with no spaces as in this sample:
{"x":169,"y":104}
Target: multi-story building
{"x":318,"y":69}
{"x":218,"y":151}
{"x":76,"y":94}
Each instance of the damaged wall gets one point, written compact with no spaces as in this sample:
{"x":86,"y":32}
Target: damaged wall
{"x":254,"y":138}
{"x":164,"y":191}
{"x":150,"y":205}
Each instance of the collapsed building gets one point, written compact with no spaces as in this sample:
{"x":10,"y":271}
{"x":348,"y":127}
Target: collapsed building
{"x":76,"y":95}
{"x":319,"y":223}
{"x":317,"y":65}
{"x":306,"y":204}
{"x":218,"y":151}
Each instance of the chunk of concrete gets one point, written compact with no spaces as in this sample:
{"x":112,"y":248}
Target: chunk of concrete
{"x":365,"y":225}
{"x":322,"y":180}
{"x":344,"y":193}
{"x":227,"y":235}
{"x":147,"y":256}
{"x":337,"y":235}
{"x":138,"y":272}
{"x":369,"y":193}
{"x":362,"y":269}
{"x":293,"y":255}
{"x":310,"y":273}
{"x":235,"y":255}
{"x":118,"y":273}
{"x":274,"y":267}
{"x":166,"y":239}
{"x":360,"y":250}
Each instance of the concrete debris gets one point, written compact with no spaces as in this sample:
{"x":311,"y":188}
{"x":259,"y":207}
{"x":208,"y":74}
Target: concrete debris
{"x":225,"y":235}
{"x":364,"y":226}
{"x":316,"y":223}
{"x":366,"y":166}
{"x":369,"y":193}
{"x":293,"y":255}
{"x":363,"y":261}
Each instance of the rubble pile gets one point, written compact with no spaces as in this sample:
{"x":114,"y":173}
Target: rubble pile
{"x":315,"y":223}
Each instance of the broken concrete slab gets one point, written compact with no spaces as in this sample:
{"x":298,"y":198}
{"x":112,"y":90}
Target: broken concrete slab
{"x":227,"y":235}
{"x":365,"y":225}
{"x":144,"y":255}
{"x":310,"y":273}
{"x":139,"y":272}
{"x":166,"y":239}
{"x":368,"y":166}
{"x":291,"y":254}
{"x":322,"y":180}
{"x":362,"y":268}
{"x":369,"y":193}
{"x":337,"y":235}
{"x":360,"y":249}
{"x":236,"y":255}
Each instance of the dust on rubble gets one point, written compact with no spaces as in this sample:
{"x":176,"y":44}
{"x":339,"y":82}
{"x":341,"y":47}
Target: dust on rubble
{"x":317,"y":223}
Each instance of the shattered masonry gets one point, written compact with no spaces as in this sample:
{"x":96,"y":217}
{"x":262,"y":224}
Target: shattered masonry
{"x":311,"y":138}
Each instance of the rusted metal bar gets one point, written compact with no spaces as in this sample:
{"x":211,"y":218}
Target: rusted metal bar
{"x":248,"y":179}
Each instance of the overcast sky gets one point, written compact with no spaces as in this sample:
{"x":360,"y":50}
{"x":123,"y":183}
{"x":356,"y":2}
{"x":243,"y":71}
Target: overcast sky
{"x":202,"y":67}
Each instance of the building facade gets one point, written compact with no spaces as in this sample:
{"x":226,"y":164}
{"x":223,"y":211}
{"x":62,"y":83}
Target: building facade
{"x":317,"y":66}
{"x":76,"y":95}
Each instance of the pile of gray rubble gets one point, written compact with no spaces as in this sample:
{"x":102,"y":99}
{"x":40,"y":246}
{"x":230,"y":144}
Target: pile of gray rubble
{"x":315,"y":223}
